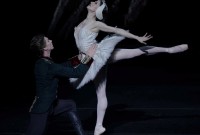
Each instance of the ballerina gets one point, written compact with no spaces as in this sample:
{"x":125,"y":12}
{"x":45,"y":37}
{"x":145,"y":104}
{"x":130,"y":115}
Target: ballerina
{"x":85,"y":35}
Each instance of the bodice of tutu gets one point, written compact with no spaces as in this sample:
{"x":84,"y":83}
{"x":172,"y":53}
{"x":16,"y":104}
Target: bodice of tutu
{"x":84,"y":38}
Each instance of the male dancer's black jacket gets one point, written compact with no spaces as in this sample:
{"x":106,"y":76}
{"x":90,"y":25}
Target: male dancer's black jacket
{"x":46,"y":73}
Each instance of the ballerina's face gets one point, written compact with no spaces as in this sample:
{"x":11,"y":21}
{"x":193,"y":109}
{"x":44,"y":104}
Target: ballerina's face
{"x":93,"y":5}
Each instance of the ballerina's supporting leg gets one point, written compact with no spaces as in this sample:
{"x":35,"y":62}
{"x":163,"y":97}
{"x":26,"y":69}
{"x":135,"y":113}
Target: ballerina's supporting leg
{"x":100,"y":82}
{"x":120,"y":54}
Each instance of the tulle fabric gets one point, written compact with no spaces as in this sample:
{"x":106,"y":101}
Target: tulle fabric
{"x":84,"y":39}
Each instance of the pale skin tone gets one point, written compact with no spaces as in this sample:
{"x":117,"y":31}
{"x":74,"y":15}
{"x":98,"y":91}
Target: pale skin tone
{"x":119,"y":54}
{"x":96,"y":26}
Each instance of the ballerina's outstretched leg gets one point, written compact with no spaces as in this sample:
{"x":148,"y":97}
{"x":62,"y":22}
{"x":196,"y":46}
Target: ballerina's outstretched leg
{"x":120,"y":54}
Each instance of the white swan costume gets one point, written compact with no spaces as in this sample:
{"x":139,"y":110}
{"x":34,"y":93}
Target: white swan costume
{"x":84,"y":39}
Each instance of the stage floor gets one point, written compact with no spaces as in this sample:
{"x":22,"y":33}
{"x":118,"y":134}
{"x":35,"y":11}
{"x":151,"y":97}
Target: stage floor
{"x":141,"y":110}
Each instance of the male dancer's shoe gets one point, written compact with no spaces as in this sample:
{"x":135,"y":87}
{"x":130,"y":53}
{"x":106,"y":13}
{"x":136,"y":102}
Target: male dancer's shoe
{"x":76,"y":122}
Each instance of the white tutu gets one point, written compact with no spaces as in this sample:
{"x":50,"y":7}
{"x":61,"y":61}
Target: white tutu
{"x":84,"y":39}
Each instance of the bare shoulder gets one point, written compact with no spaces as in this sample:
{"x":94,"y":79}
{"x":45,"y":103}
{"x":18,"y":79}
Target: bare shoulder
{"x":95,"y":26}
{"x":98,"y":23}
{"x":104,"y":27}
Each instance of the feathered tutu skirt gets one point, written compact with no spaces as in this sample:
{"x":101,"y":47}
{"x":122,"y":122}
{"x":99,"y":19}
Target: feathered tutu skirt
{"x":103,"y":52}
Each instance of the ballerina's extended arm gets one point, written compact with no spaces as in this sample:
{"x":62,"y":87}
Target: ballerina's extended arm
{"x":103,"y":27}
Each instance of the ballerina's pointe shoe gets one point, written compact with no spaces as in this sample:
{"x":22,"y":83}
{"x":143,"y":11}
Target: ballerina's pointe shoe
{"x":178,"y":48}
{"x":99,"y":130}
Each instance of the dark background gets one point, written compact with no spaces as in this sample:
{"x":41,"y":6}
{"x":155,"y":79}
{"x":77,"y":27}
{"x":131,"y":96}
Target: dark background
{"x":156,"y":94}
{"x":171,"y":22}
